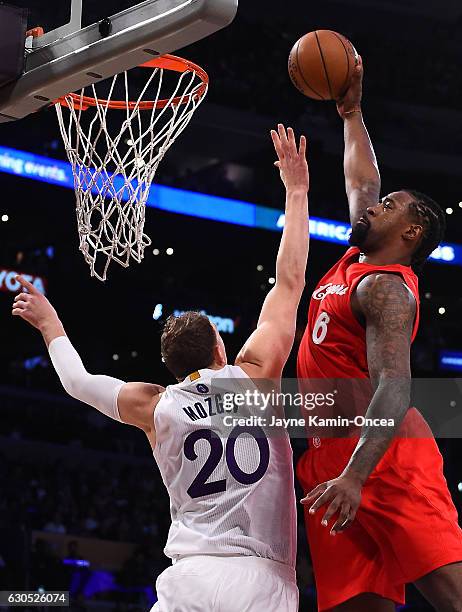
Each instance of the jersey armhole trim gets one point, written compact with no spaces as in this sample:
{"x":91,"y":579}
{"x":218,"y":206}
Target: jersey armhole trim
{"x":397,"y":273}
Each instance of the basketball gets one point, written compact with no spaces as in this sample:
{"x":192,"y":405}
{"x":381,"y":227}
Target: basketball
{"x":321,"y":64}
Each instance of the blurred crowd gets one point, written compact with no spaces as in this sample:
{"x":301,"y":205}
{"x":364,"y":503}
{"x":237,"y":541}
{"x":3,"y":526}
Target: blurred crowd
{"x":105,"y":500}
{"x":65,"y":422}
{"x":108,"y":501}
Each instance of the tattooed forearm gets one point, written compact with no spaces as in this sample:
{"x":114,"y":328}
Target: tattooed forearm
{"x":388,"y":308}
{"x":390,"y":401}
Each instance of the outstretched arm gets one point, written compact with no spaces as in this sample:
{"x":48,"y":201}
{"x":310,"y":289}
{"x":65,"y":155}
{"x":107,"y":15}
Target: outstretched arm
{"x":131,"y":403}
{"x":388,"y":308}
{"x":267,"y":350}
{"x":362,"y":177}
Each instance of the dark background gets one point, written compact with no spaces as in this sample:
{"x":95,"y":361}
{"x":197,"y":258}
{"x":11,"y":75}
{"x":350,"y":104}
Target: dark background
{"x":62,"y":467}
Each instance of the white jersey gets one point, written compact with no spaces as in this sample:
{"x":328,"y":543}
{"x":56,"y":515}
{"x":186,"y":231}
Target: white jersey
{"x":231,"y":487}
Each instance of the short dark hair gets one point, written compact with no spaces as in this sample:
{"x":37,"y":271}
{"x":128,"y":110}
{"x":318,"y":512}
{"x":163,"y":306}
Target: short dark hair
{"x":430,"y":214}
{"x":187,"y":343}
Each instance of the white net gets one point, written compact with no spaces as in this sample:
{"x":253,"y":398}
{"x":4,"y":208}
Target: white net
{"x":115,"y":155}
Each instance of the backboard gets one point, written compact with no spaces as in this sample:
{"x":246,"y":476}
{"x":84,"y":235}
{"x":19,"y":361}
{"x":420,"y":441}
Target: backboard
{"x":70,"y":56}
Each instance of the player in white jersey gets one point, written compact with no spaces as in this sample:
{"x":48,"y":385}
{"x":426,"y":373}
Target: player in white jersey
{"x":233,"y":534}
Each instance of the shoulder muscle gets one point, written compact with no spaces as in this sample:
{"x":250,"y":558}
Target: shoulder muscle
{"x":386,"y":300}
{"x":137,"y":402}
{"x":388,"y":308}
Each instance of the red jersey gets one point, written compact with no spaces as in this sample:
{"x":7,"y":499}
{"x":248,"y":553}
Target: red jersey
{"x":405,"y":501}
{"x":334,"y":342}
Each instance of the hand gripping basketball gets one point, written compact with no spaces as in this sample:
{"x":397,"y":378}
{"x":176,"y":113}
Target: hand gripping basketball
{"x":291,"y":162}
{"x":351,"y":101}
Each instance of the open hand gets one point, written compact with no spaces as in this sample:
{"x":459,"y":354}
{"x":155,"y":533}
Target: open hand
{"x":344,"y":495}
{"x":292,"y":162}
{"x":33,"y":306}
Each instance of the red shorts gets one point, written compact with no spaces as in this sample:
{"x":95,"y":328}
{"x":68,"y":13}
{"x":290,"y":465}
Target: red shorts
{"x":406,"y":525}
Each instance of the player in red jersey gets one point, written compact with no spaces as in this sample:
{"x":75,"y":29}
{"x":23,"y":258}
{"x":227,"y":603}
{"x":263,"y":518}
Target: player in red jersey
{"x":381,"y":491}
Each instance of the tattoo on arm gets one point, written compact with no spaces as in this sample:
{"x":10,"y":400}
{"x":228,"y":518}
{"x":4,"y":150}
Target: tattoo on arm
{"x":361,"y":197}
{"x":389,"y":310}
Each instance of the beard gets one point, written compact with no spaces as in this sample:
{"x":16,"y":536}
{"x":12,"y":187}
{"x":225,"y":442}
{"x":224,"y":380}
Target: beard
{"x":359,"y":234}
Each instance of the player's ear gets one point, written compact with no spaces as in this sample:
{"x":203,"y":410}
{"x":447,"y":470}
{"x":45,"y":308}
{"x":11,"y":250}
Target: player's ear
{"x":413,"y":232}
{"x":219,"y":354}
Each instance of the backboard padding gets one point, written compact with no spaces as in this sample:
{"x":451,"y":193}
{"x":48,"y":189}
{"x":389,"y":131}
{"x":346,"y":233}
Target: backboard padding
{"x":151,"y":28}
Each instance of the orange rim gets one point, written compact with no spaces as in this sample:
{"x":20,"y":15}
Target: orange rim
{"x":167,"y":62}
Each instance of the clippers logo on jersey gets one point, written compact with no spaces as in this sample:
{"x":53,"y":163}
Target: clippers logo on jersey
{"x":202,"y":388}
{"x":324,"y":290}
{"x":334,"y":343}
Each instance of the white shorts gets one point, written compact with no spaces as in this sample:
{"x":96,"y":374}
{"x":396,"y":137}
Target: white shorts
{"x":206,"y":583}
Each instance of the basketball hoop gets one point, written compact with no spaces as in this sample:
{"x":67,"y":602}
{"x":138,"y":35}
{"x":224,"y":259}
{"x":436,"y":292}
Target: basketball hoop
{"x":115,"y":157}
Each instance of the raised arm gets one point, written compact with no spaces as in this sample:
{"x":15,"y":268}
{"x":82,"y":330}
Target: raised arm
{"x":267,"y":350}
{"x":130,"y":403}
{"x":362,"y":177}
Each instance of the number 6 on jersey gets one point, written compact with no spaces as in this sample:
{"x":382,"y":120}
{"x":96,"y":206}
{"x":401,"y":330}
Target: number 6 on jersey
{"x":320,"y":328}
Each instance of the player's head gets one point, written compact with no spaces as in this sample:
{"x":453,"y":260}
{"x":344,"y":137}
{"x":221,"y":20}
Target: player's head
{"x":191,"y":342}
{"x":407,"y":222}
